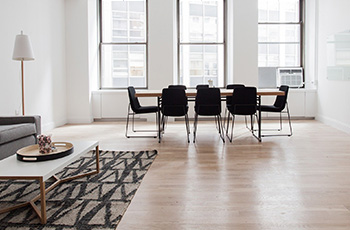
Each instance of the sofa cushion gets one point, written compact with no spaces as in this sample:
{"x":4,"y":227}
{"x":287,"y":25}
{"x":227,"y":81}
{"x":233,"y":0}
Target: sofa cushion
{"x":13,"y":132}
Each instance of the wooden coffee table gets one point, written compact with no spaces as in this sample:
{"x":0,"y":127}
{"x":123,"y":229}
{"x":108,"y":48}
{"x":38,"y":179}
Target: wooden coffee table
{"x":13,"y":169}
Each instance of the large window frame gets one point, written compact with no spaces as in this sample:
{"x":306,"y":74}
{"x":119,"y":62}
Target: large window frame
{"x":300,"y":23}
{"x":102,"y":44}
{"x":268,"y":72}
{"x":223,"y":44}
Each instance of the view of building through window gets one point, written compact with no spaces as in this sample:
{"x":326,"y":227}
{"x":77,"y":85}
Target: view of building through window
{"x":201,"y":42}
{"x":123,"y":43}
{"x":279,"y":33}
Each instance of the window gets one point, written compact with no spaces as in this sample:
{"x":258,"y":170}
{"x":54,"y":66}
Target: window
{"x":123,"y":47}
{"x":280,"y":30}
{"x":201,"y":42}
{"x":280,"y":38}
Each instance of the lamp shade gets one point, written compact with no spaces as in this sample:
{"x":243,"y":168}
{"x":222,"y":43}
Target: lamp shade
{"x":23,"y":48}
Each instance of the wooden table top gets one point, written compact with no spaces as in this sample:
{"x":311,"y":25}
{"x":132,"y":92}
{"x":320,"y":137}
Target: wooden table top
{"x":192,"y":93}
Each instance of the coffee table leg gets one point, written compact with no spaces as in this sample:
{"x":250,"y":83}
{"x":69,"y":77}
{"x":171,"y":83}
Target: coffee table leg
{"x":42,"y":212}
{"x":43,"y":201}
{"x":97,"y":159}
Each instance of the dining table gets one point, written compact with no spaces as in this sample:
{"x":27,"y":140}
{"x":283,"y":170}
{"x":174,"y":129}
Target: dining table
{"x":191,"y":94}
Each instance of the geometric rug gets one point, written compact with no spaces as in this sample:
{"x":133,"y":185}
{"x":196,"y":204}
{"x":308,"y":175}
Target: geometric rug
{"x":92,"y":202}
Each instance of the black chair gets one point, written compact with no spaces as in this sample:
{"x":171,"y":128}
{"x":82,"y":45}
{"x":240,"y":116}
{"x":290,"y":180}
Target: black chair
{"x":174,"y":104}
{"x":229,"y":98}
{"x":177,"y":87}
{"x":244,"y":102}
{"x":136,"y":108}
{"x":278,"y":107}
{"x":201,"y":86}
{"x":208,"y":103}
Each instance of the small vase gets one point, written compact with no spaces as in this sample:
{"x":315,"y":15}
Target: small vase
{"x":45,"y":144}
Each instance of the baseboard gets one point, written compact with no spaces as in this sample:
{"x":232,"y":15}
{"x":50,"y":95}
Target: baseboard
{"x":292,"y":118}
{"x":80,"y":120}
{"x":116,"y":119}
{"x":334,"y":123}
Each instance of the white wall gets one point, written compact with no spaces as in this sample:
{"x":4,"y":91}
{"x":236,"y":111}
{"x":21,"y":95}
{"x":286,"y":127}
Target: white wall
{"x":310,"y":44}
{"x":161,"y":43}
{"x":333,"y":98}
{"x":45,"y":82}
{"x":245,"y":42}
{"x":81,"y":58}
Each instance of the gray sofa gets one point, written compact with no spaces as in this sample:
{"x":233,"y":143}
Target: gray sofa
{"x":17,"y":132}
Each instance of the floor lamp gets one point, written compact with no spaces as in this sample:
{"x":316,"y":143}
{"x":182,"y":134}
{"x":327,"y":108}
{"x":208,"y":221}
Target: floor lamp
{"x":22,"y":52}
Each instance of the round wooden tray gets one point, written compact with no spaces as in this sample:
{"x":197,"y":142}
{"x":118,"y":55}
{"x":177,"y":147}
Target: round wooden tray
{"x":31,"y":153}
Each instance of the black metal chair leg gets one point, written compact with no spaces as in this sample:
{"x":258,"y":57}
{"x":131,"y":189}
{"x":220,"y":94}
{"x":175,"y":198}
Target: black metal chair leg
{"x":233,"y":124}
{"x":280,"y":122}
{"x":228,"y":123}
{"x":166,"y":123}
{"x":127,"y":123}
{"x":188,"y":124}
{"x":195,"y":128}
{"x":157,"y":128}
{"x":187,"y":128}
{"x":216,"y":123}
{"x":133,"y":122}
{"x":163,"y":123}
{"x":222,"y":134}
{"x":251,"y":122}
{"x":290,"y":124}
{"x":224,"y":123}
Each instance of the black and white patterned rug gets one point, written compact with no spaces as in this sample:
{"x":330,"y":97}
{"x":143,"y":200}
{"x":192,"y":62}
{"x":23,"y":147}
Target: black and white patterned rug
{"x":94,"y":202}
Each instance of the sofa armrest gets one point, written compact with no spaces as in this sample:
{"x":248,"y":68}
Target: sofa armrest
{"x":10,"y":120}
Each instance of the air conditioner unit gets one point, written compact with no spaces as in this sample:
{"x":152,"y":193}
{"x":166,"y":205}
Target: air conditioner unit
{"x":293,"y":77}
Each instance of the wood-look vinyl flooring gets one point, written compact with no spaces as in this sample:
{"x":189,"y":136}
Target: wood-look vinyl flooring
{"x":298,"y":182}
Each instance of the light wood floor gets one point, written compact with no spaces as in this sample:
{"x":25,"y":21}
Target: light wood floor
{"x":301,"y":182}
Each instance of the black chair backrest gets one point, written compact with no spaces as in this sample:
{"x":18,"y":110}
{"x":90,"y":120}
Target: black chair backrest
{"x":174,"y":102}
{"x":208,"y":101}
{"x":202,"y":86}
{"x":232,"y":86}
{"x":244,"y":101}
{"x":177,"y":87}
{"x":281,"y":101}
{"x":134,"y":102}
